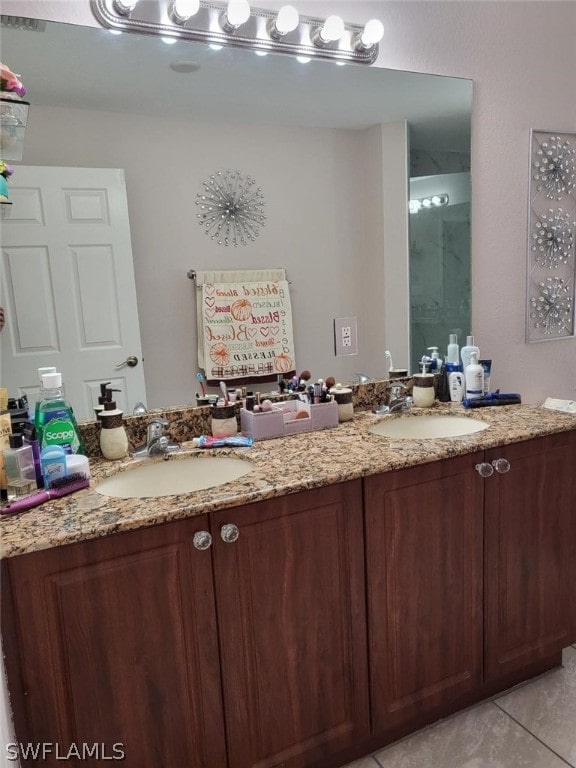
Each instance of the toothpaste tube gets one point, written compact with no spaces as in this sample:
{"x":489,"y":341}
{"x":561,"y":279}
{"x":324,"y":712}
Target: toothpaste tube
{"x":235,"y":441}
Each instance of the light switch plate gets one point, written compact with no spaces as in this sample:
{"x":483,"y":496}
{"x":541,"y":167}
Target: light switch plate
{"x":345,"y":336}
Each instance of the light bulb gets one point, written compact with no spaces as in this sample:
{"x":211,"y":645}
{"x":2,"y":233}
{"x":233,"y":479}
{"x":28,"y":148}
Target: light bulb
{"x":182,"y":10}
{"x":238,"y":12}
{"x":436,"y":200}
{"x":124,"y":7}
{"x":373,"y":33}
{"x":287,"y":20}
{"x":332,"y":30}
{"x":168,"y":40}
{"x":426,"y":202}
{"x":261,"y":53}
{"x":303,"y":59}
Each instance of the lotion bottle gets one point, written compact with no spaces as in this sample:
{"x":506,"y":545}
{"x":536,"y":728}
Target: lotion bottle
{"x":113,"y":437}
{"x":453,"y":350}
{"x":474,"y":378}
{"x":467,"y":350}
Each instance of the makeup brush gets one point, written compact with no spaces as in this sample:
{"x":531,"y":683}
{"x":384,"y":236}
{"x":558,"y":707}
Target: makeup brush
{"x":61,"y":487}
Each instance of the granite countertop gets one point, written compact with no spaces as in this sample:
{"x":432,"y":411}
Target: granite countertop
{"x":281,"y":466}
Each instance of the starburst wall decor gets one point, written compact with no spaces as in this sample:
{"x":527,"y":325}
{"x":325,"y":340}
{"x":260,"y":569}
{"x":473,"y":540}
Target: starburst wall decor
{"x":231,"y":208}
{"x":551,"y":237}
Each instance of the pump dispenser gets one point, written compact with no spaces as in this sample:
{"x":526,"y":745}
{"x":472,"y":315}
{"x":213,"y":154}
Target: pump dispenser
{"x":436,"y":362}
{"x":113,"y":437}
{"x":467,"y":350}
{"x":104,"y":397}
{"x":474,"y":378}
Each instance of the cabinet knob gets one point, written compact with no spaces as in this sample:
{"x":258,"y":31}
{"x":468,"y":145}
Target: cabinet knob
{"x":485,"y":469}
{"x":229,"y":533}
{"x":202,"y":540}
{"x":501,"y":465}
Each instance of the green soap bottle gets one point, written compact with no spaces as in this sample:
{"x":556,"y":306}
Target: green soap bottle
{"x":55,"y":420}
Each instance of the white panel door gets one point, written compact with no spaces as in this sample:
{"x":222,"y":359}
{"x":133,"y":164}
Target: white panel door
{"x":67,"y":285}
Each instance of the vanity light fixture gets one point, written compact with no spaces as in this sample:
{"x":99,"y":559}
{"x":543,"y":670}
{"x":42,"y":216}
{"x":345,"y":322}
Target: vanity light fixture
{"x":235,"y":23}
{"x":236,"y":14}
{"x":287,"y":20}
{"x":331,"y":31}
{"x":182,"y":10}
{"x":372,"y":33}
{"x":433,"y":201}
{"x":125,"y":7}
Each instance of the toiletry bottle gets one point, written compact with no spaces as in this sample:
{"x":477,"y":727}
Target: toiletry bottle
{"x":41,"y":372}
{"x":474,"y":378}
{"x":104,"y":397}
{"x":423,"y":390}
{"x":19,"y":466}
{"x":53,"y":462}
{"x":453,"y":350}
{"x":56,"y":421}
{"x":456,"y":386}
{"x":113,"y":437}
{"x":467,"y":350}
{"x":29,"y":437}
{"x":436,"y":362}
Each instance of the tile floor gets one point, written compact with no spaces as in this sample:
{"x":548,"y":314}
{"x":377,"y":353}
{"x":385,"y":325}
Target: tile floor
{"x":533,"y":726}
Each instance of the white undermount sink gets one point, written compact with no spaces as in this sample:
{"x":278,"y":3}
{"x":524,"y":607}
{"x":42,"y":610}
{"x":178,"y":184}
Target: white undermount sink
{"x":174,"y":476}
{"x":427,"y":426}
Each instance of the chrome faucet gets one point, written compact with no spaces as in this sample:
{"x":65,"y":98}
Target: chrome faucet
{"x":157,"y":443}
{"x":397,"y":400}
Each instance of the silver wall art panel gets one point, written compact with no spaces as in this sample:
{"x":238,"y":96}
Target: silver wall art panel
{"x":551,"y":271}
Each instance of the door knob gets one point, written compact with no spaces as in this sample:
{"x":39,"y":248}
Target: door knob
{"x":485,"y":469}
{"x":501,"y":465}
{"x":202,"y":540}
{"x":229,"y":533}
{"x":130,"y":361}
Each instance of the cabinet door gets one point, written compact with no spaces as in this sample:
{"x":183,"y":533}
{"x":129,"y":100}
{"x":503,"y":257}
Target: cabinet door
{"x":531,"y":553}
{"x":424,"y":574}
{"x":117,"y":645}
{"x":291,"y":618}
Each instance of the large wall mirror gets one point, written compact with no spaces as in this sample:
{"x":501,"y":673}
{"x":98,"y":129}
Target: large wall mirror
{"x":334,"y":149}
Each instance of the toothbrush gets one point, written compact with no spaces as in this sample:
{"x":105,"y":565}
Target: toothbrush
{"x":61,"y":487}
{"x":224,"y":390}
{"x":200,"y":377}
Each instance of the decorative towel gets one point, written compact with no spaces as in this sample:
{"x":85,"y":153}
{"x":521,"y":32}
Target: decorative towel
{"x":244,"y":324}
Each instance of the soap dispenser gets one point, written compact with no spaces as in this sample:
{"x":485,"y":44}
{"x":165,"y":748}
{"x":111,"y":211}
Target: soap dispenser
{"x":423,"y":394}
{"x":113,"y":437}
{"x":467,"y":350}
{"x":104,"y":397}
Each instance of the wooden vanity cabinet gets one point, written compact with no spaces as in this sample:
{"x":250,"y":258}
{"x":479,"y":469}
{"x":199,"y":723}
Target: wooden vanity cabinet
{"x":251,"y":652}
{"x":470,"y":580}
{"x":290,"y":596}
{"x":424,"y":581}
{"x":114,"y":641}
{"x":530,"y":557}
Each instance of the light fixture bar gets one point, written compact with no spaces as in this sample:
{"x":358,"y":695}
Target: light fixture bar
{"x":432,"y":201}
{"x":263,"y":30}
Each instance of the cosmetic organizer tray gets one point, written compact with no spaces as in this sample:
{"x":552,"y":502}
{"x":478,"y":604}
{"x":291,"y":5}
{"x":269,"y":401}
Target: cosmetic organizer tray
{"x":281,"y":421}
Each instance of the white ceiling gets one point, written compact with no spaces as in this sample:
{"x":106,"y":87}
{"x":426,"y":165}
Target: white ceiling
{"x":90,"y":68}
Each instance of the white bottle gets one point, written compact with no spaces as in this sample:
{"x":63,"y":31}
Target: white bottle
{"x":436,"y":365}
{"x":474,"y":378}
{"x":453,"y":351}
{"x":467,"y":350}
{"x":456,"y":386}
{"x":113,"y":437}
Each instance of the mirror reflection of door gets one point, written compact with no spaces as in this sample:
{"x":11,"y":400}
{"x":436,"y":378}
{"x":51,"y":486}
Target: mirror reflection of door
{"x":68,"y":286}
